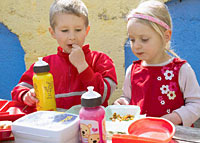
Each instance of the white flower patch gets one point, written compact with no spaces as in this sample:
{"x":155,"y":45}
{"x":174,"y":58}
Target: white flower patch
{"x":159,"y":78}
{"x":168,"y":75}
{"x":168,"y":111}
{"x":171,"y":95}
{"x":162,"y":102}
{"x":164,"y":89}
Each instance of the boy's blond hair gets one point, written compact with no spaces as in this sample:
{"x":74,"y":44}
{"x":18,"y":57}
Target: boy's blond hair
{"x":158,"y":10}
{"x":76,"y":7}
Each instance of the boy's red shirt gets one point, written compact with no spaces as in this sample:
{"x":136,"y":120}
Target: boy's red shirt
{"x":68,"y":83}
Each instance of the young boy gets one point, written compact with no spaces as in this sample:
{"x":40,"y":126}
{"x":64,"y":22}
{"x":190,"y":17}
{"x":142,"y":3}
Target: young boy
{"x":74,"y":67}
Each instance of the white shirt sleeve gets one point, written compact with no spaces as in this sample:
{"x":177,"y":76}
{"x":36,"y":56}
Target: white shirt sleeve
{"x":127,"y":85}
{"x":189,"y":86}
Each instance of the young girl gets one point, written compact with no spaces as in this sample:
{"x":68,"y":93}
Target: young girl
{"x":161,"y":84}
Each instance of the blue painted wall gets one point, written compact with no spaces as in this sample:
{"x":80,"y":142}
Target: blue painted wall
{"x":11,"y":61}
{"x":185,"y":36}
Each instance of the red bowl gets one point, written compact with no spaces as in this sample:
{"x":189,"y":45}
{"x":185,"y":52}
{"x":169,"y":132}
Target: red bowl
{"x":152,"y":129}
{"x":147,"y":130}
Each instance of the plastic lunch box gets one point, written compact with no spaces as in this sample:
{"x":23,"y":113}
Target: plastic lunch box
{"x":120,"y":126}
{"x":47,"y":127}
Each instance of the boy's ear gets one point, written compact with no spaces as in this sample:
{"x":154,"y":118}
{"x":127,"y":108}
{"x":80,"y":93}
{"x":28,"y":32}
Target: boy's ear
{"x":88,"y":29}
{"x":51,"y":31}
{"x":168,"y":34}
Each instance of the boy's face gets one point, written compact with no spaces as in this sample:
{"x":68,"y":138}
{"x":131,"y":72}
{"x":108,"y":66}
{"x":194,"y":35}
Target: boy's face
{"x":69,"y":29}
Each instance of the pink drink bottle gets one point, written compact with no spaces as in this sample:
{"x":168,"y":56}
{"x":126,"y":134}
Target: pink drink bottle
{"x":92,"y":118}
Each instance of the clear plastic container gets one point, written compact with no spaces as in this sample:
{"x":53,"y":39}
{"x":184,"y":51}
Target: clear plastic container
{"x":47,"y":127}
{"x":121,"y":127}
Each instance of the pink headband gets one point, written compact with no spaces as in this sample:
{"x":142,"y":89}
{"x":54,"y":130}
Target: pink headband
{"x":150,"y":18}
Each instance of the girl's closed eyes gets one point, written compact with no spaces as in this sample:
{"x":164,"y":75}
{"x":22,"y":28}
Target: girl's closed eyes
{"x":144,"y":40}
{"x":66,"y":30}
{"x":78,"y":30}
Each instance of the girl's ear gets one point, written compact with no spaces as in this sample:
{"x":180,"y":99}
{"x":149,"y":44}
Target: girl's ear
{"x":88,"y":29}
{"x":51,"y":31}
{"x":168,"y":34}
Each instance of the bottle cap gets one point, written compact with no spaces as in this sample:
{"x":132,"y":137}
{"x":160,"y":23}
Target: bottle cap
{"x":91,"y":98}
{"x":41,"y":66}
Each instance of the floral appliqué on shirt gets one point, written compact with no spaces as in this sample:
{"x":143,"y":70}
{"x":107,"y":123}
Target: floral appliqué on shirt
{"x":170,"y":89}
{"x":168,"y":75}
{"x":171,"y":95}
{"x":162,"y":101}
{"x":159,"y":78}
{"x":164,"y":89}
{"x":173,"y":86}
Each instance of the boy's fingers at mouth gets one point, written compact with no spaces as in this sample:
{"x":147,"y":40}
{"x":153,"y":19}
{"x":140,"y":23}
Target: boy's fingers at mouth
{"x":75,"y":46}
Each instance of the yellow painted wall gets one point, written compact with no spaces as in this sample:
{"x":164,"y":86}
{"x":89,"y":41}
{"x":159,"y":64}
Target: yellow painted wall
{"x":29,"y":19}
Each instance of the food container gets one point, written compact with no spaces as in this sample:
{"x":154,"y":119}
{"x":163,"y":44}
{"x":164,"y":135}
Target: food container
{"x":121,"y":127}
{"x":147,"y":130}
{"x":47,"y":127}
{"x":5,"y":134}
{"x":11,"y":111}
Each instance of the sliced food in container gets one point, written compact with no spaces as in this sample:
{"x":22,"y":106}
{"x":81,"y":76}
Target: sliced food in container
{"x":5,"y":130}
{"x":9,"y":112}
{"x":119,"y":117}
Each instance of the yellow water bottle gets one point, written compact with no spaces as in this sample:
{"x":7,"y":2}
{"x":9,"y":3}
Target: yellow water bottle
{"x":44,"y":86}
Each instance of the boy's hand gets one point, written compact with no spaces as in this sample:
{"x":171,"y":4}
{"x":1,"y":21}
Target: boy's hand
{"x":77,"y":58}
{"x":29,"y":98}
{"x":121,"y":101}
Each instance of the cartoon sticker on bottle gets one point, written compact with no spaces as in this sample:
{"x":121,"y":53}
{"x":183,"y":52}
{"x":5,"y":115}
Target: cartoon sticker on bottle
{"x":91,"y":132}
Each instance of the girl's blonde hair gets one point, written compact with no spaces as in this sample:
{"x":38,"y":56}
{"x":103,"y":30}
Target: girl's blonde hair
{"x":157,"y":10}
{"x":76,"y":7}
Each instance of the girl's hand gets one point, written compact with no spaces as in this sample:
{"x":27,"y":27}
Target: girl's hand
{"x":173,"y":117}
{"x":121,"y":101}
{"x":77,"y":58}
{"x":30,"y":98}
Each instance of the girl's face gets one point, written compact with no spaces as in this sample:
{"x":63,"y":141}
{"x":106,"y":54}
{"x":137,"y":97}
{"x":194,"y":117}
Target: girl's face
{"x":146,"y":43}
{"x":69,"y":29}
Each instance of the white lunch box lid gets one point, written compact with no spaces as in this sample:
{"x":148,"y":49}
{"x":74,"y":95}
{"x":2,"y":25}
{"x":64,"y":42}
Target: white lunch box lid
{"x":47,"y":126}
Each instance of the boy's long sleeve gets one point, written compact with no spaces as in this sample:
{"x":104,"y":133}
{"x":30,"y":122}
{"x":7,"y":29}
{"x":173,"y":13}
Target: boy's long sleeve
{"x":69,"y":85}
{"x":24,"y":85}
{"x":104,"y":81}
